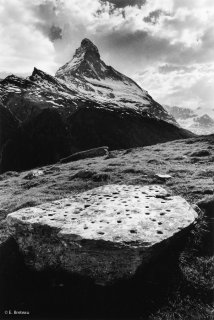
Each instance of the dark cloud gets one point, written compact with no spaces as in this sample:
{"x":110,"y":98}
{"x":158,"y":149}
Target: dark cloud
{"x":153,"y":16}
{"x":139,"y":49}
{"x":125,"y":3}
{"x":46,"y":13}
{"x":55,"y":33}
{"x":119,"y":46}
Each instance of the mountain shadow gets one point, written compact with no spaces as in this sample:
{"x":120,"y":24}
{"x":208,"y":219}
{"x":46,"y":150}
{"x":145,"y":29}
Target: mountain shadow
{"x":90,"y":128}
{"x":42,"y":140}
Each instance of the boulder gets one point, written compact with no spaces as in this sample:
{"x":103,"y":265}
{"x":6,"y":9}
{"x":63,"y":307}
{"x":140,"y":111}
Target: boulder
{"x":91,"y":153}
{"x":106,"y":234}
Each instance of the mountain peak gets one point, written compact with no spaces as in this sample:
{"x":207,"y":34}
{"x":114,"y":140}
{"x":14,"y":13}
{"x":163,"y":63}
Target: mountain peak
{"x":85,"y":62}
{"x":88,"y":45}
{"x":87,"y":50}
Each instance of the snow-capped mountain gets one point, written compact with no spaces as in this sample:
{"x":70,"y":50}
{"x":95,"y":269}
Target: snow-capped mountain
{"x":103,"y":84}
{"x":87,"y":104}
{"x":190,"y":120}
{"x":84,"y":79}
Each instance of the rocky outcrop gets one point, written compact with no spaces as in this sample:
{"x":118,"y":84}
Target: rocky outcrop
{"x":105,"y":234}
{"x":92,"y":153}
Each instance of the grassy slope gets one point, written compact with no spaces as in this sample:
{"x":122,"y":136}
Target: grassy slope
{"x":186,"y":292}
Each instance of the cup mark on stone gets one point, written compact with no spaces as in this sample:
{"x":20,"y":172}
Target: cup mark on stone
{"x":159,"y":232}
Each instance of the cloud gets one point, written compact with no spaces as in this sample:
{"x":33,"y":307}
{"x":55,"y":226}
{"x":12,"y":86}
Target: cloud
{"x":22,"y":45}
{"x":125,"y":3}
{"x":55,"y":33}
{"x":153,"y":16}
{"x":187,"y":87}
{"x":168,"y":46}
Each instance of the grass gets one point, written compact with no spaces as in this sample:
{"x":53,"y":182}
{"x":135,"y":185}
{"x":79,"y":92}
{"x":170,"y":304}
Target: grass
{"x":178,"y":286}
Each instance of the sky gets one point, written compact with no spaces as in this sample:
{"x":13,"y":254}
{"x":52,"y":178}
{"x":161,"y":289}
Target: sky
{"x":166,"y":46}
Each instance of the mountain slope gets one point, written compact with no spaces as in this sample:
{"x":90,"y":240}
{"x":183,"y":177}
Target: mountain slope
{"x":85,"y":79}
{"x":42,"y":140}
{"x":8,"y":125}
{"x":91,"y":105}
{"x":8,"y":129}
{"x":119,"y":130}
{"x":102,"y":83}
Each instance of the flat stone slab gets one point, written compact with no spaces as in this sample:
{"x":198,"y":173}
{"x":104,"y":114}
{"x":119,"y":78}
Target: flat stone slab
{"x":91,"y":153}
{"x":106,"y":233}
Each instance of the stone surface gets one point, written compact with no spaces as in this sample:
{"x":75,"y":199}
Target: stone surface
{"x":106,"y":233}
{"x":96,"y":152}
{"x":163,"y":176}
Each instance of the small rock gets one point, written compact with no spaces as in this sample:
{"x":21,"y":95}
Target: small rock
{"x":163,"y":176}
{"x":96,"y":152}
{"x":180,"y":158}
{"x":98,"y":177}
{"x":201,"y":153}
{"x":128,"y":151}
{"x":33,"y":174}
{"x":106,"y":234}
{"x":153,"y":161}
{"x":83,"y":174}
